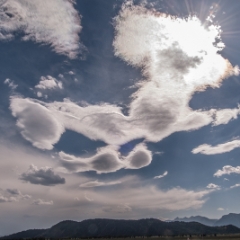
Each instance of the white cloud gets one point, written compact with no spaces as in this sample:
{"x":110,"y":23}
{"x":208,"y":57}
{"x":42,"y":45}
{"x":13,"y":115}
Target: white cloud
{"x":227,"y":170}
{"x":39,"y":94}
{"x":42,"y":202}
{"x":213,"y":186}
{"x":97,"y":183}
{"x":220,"y":209}
{"x":235,"y":186}
{"x":49,"y":83}
{"x":107,"y":159}
{"x":10,"y":83}
{"x":177,"y":56}
{"x":225,"y":115}
{"x":161,"y":176}
{"x":51,"y":22}
{"x":36,"y":123}
{"x":218,"y":149}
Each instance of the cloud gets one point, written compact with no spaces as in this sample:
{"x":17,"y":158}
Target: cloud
{"x":218,"y":149}
{"x":235,"y":186}
{"x":10,"y":83}
{"x":225,"y":115}
{"x":150,"y":198}
{"x":42,"y":202}
{"x":123,"y":208}
{"x":36,"y":123}
{"x":227,"y":170}
{"x":13,"y":195}
{"x":220,"y":209}
{"x":6,"y":199}
{"x":49,"y":83}
{"x":42,"y":176}
{"x":41,"y":23}
{"x":14,"y":191}
{"x":177,"y":56}
{"x":213,"y":186}
{"x":161,"y":176}
{"x":97,"y":183}
{"x":107,"y":159}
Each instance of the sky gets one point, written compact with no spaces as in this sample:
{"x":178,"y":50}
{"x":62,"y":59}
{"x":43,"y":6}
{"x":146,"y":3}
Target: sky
{"x":118,"y":109}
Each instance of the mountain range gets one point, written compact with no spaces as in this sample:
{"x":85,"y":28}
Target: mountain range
{"x":122,"y":228}
{"x":231,"y":218}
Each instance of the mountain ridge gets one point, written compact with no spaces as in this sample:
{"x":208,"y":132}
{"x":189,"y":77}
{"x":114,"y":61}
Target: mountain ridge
{"x":229,"y":219}
{"x":122,"y":228}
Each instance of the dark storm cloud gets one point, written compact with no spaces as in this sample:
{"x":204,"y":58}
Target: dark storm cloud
{"x":42,"y":176}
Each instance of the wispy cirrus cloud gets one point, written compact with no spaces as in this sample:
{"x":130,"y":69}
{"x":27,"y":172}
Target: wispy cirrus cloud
{"x":235,"y":186}
{"x":97,"y":183}
{"x":161,"y":176}
{"x":218,"y":149}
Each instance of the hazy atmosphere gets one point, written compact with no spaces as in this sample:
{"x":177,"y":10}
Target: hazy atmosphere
{"x":118,"y":109}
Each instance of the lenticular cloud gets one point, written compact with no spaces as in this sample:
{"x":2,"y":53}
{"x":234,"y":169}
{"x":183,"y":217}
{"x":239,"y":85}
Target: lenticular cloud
{"x":178,"y":57}
{"x":52,"y":22}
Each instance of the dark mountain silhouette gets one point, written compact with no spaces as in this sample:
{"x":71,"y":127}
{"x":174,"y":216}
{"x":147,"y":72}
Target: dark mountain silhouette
{"x":230,"y":219}
{"x":123,"y":228}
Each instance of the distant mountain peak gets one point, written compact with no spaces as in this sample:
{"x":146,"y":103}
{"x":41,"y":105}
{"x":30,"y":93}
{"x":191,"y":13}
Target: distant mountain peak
{"x":228,"y":219}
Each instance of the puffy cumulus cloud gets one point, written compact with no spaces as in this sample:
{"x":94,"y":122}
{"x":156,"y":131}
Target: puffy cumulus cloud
{"x":49,"y":83}
{"x":36,"y":123}
{"x":56,"y":23}
{"x":161,"y":176}
{"x":213,"y":186}
{"x":227,"y":170}
{"x":97,"y":183}
{"x":42,"y":202}
{"x":138,"y":158}
{"x":42,"y":176}
{"x":218,"y":149}
{"x":235,"y":186}
{"x":178,"y":57}
{"x":107,"y":159}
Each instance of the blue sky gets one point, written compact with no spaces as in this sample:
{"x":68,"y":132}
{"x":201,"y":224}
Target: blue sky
{"x":118,"y":109}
